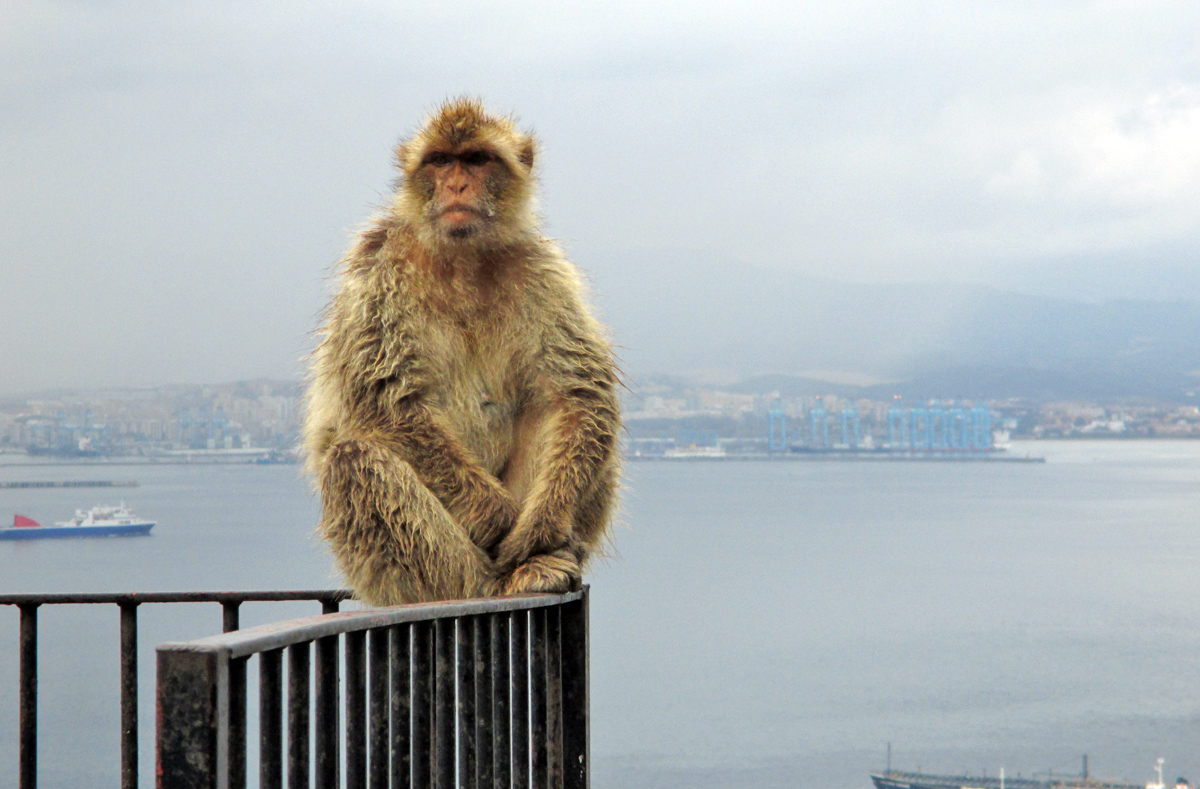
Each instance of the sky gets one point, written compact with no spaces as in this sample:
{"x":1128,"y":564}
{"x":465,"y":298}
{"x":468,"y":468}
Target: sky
{"x":176,"y":180}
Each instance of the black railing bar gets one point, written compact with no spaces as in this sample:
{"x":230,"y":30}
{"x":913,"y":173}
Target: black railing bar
{"x":443,"y":704}
{"x":464,"y":713}
{"x":575,"y":697}
{"x":326,"y":713}
{"x":379,"y":700}
{"x":230,"y":617}
{"x":28,"y":705}
{"x":236,"y":721}
{"x":129,"y":696}
{"x":270,"y":720}
{"x":554,"y":698}
{"x":332,"y":595}
{"x":421,"y":746}
{"x":538,"y":740}
{"x":501,"y":687}
{"x":248,"y":641}
{"x":356,"y":710}
{"x":518,"y":624}
{"x":482,"y":681}
{"x":298,"y":716}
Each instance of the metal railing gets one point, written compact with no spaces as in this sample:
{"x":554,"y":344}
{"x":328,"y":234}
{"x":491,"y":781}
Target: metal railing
{"x":128,"y":604}
{"x":478,"y":693}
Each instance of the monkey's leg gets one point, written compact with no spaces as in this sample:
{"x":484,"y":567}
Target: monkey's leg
{"x":391,"y":537}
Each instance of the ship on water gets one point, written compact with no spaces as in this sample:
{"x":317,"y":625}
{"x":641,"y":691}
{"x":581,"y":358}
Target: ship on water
{"x":898,"y":779}
{"x":99,"y":521}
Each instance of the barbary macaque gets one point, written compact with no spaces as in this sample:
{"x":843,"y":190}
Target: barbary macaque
{"x":462,"y":416}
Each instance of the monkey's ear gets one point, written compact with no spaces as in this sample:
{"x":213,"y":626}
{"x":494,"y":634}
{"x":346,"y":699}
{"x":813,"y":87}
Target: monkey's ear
{"x":525,"y":154}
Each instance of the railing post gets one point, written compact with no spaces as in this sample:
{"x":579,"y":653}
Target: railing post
{"x":465,"y":727}
{"x":422,"y":706}
{"x":484,"y":698}
{"x":443,"y":703}
{"x":575,"y":695}
{"x":298,"y":715}
{"x":270,"y":719}
{"x":399,"y":706}
{"x":538,"y":740}
{"x":29,"y":687}
{"x":356,"y":710}
{"x":328,"y":739}
{"x":229,"y":615}
{"x":501,"y":687}
{"x":193,"y":698}
{"x":554,"y":698}
{"x":328,"y":736}
{"x":519,"y":672}
{"x":129,"y":696}
{"x":237,"y":724}
{"x":230,"y":621}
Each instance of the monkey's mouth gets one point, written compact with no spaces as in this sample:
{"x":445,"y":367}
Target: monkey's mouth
{"x":461,"y":210}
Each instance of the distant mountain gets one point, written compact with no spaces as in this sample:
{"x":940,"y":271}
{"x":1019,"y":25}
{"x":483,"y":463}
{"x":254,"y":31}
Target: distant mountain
{"x":682,"y":314}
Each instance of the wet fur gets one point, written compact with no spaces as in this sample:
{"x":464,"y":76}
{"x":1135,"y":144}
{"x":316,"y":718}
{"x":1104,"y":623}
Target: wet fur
{"x":462,"y":418}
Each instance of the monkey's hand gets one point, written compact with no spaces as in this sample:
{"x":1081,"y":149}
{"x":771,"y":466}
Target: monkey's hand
{"x":534,"y":533}
{"x":489,"y":512}
{"x":555,"y":573}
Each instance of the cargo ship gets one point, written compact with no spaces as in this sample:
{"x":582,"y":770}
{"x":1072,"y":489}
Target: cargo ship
{"x":896,"y":779}
{"x":100,"y":521}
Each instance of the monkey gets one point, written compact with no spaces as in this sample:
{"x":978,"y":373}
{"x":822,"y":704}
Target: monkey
{"x":462,"y":414}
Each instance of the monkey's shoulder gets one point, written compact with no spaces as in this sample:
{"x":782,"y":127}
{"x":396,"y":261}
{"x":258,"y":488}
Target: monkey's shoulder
{"x":552,"y":286}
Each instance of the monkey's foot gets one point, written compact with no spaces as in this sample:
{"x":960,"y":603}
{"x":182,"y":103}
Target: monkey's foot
{"x":556,"y":573}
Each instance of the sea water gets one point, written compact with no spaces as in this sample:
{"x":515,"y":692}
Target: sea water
{"x":757,"y":624}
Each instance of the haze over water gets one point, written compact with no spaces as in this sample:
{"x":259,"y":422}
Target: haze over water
{"x":761,"y":625}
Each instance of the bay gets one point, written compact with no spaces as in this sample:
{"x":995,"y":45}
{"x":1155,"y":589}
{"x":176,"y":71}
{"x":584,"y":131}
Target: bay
{"x":757,"y":624}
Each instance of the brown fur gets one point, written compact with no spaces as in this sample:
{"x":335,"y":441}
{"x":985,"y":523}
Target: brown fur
{"x":462,"y":417}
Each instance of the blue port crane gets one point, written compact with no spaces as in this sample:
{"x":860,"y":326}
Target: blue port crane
{"x":958,"y":424}
{"x":897,"y":427}
{"x":776,"y":427}
{"x":937,"y":428}
{"x":981,"y":424}
{"x":850,"y":426}
{"x":940,"y":429}
{"x":819,"y":425}
{"x":919,"y":431}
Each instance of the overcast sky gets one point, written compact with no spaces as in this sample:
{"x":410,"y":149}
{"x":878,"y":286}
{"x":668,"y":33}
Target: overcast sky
{"x":177,"y":178}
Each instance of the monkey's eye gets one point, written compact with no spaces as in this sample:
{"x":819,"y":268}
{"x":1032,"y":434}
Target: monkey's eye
{"x":438,"y":159}
{"x":476,"y":158}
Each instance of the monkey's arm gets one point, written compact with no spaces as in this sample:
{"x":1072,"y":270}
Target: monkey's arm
{"x":579,"y":378}
{"x":374,"y":377}
{"x":471,"y":495}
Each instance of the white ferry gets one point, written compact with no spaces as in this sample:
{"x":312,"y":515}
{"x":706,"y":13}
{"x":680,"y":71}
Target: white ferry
{"x":99,"y":521}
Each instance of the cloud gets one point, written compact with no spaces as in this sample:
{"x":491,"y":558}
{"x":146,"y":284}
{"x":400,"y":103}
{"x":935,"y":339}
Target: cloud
{"x":199,"y":165}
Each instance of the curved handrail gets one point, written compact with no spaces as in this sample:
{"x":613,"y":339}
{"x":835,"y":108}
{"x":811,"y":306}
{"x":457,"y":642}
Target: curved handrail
{"x":276,"y":635}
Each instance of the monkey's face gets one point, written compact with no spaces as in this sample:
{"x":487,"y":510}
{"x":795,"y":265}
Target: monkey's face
{"x":462,"y":189}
